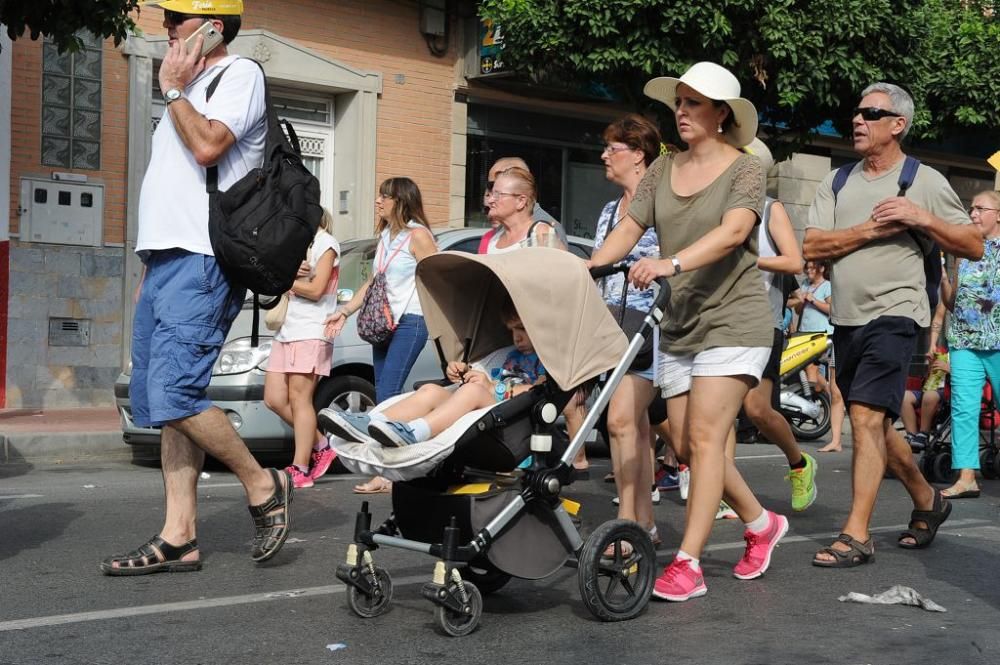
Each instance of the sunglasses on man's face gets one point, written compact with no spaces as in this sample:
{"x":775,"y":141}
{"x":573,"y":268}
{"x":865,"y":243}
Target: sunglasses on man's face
{"x":872,"y":113}
{"x":176,"y":18}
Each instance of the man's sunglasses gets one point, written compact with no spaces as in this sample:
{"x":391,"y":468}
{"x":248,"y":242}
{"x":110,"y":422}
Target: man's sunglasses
{"x":176,"y":18}
{"x":872,"y":113}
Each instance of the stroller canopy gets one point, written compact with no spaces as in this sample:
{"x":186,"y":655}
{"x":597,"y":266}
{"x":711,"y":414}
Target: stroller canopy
{"x":573,"y":332}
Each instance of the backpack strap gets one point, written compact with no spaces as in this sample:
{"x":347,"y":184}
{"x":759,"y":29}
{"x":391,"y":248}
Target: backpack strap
{"x":385,"y":264}
{"x":908,"y":174}
{"x":840,"y":178}
{"x":531,"y":229}
{"x":212,"y":172}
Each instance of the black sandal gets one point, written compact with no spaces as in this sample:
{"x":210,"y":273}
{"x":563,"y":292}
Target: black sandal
{"x":933,"y":518}
{"x":271,"y":519}
{"x":154,"y":556}
{"x":860,"y":553}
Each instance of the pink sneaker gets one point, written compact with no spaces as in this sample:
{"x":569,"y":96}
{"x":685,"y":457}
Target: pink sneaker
{"x":680,"y":582}
{"x":321,"y":461}
{"x":757,"y":556}
{"x":299,"y":480}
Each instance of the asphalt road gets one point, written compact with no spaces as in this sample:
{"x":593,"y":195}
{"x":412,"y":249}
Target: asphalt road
{"x":58,"y":522}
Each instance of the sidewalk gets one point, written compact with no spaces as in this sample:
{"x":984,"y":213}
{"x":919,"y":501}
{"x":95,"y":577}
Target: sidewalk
{"x":27,"y":434}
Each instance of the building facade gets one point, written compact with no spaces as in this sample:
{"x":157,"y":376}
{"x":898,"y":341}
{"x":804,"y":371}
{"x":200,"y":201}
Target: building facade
{"x":374,"y":88}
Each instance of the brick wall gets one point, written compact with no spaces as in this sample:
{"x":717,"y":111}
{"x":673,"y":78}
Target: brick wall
{"x":415,"y":109}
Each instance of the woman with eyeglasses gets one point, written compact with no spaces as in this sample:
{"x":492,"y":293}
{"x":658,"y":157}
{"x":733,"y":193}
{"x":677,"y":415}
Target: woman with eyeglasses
{"x":632,"y":143}
{"x":813,"y":303}
{"x":511,"y":202}
{"x":974,"y":342}
{"x":404,"y":237}
{"x":717,"y":334}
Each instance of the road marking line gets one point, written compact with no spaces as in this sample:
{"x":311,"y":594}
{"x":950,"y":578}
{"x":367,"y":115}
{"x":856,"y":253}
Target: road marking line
{"x":186,"y":605}
{"x":330,"y":589}
{"x":21,"y":496}
{"x":757,"y":456}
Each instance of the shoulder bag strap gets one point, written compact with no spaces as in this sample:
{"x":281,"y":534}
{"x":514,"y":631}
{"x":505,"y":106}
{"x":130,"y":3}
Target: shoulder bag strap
{"x":385,"y":266}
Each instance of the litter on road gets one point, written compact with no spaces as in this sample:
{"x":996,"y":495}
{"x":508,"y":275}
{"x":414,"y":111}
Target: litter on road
{"x":897,"y":595}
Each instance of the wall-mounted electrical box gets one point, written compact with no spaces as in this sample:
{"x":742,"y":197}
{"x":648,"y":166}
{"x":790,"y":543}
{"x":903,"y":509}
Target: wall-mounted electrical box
{"x":61,"y":211}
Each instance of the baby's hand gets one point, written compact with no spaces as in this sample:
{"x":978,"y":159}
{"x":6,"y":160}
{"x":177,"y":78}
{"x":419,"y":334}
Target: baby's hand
{"x":477,"y":378}
{"x":456,"y":370}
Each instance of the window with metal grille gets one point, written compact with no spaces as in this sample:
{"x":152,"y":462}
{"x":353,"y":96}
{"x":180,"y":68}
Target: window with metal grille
{"x":71,"y":105}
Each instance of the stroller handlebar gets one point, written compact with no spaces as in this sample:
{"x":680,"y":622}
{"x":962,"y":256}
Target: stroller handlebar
{"x":662,"y":298}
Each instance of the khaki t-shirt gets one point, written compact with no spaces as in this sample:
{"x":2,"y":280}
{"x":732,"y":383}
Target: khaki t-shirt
{"x":884,"y":277}
{"x":721,"y":304}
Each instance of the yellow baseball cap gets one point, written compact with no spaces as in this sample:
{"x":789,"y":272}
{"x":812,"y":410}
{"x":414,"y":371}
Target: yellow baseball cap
{"x":207,"y":7}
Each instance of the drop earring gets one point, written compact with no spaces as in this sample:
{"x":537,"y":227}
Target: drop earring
{"x":720,"y":129}
{"x":637,"y":169}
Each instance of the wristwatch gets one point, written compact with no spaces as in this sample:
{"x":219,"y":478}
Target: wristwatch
{"x":677,"y":264}
{"x":172,"y":95}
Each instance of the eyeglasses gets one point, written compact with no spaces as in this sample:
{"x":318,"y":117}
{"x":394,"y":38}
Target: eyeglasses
{"x":494,"y":194}
{"x":979,"y":210}
{"x":176,"y":18}
{"x":872,"y":113}
{"x":612,"y":149}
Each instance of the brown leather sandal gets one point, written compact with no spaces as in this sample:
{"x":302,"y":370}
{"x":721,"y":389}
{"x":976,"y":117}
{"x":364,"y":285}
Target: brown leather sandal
{"x":154,"y":556}
{"x":860,"y":553}
{"x":271,"y":519}
{"x":933,"y":518}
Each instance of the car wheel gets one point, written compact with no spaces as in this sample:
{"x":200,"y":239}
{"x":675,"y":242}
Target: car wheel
{"x":345,"y":393}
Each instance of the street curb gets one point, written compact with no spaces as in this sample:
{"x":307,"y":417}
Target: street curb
{"x":21,"y":447}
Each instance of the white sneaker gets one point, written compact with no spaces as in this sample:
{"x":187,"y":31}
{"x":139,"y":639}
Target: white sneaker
{"x":684,"y":474}
{"x":725,"y":512}
{"x":655,"y":495}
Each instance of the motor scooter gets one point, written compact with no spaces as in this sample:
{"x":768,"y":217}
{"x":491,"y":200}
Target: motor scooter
{"x":806,"y":410}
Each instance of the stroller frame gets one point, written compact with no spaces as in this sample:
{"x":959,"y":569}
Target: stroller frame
{"x":616,"y":563}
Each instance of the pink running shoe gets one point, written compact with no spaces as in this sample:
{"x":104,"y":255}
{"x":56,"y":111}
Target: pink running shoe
{"x":757,"y":556}
{"x":321,"y":461}
{"x":299,"y":480}
{"x":680,"y":582}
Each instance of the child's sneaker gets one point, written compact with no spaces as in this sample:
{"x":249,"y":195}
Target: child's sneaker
{"x":725,"y":512}
{"x":684,"y":480}
{"x":680,"y":582}
{"x":392,"y":434}
{"x":654,"y":496}
{"x":757,"y":556}
{"x":344,"y":424}
{"x":299,"y":480}
{"x":667,"y":480}
{"x":321,"y":461}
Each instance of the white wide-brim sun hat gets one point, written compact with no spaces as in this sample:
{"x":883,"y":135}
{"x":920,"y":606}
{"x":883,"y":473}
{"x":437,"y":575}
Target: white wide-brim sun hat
{"x":715,"y":82}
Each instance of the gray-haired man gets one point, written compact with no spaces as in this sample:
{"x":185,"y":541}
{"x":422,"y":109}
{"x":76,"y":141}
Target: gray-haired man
{"x":877,"y":241}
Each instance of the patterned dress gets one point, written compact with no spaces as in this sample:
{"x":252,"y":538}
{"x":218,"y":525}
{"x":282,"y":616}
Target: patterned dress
{"x":975,"y":323}
{"x":647,"y":247}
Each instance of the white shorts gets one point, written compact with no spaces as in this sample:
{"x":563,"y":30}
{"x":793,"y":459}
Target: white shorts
{"x":675,"y":371}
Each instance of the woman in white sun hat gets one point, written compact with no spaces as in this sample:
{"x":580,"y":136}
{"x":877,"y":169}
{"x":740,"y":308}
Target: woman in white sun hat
{"x":715,"y":341}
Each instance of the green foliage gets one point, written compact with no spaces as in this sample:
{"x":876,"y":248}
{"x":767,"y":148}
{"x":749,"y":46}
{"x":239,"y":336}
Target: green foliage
{"x":801,"y":62}
{"x":62,"y":19}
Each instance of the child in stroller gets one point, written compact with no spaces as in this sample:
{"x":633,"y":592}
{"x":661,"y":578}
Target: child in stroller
{"x":433,"y":408}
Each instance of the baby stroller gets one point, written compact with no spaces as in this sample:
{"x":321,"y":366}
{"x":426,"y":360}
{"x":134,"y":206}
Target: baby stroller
{"x":935,"y":460}
{"x":484,"y":519}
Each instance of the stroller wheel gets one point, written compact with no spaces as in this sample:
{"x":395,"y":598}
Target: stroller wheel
{"x":617,"y":587}
{"x":371,"y":605}
{"x":459,"y":624}
{"x":942,"y":471}
{"x":485,"y":576}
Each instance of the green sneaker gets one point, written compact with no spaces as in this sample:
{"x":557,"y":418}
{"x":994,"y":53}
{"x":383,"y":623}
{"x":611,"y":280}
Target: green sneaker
{"x":803,"y":484}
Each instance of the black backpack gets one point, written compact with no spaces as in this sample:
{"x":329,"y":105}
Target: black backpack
{"x":932,"y":255}
{"x":262,"y":226}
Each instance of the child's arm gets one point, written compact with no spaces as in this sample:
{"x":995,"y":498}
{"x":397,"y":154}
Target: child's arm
{"x":314,"y":288}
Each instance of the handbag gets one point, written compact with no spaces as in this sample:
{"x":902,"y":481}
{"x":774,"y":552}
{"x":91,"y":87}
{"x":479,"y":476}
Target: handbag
{"x":375,"y":321}
{"x":274,"y":318}
{"x":630,"y":320}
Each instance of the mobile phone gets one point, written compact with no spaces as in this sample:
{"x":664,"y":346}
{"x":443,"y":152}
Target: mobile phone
{"x":212,"y":39}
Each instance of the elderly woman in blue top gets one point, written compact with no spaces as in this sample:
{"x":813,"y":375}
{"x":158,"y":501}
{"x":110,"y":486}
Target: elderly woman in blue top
{"x":632,"y":143}
{"x":974,"y":341}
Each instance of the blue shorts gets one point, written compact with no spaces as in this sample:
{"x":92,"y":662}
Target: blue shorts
{"x":184,"y":312}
